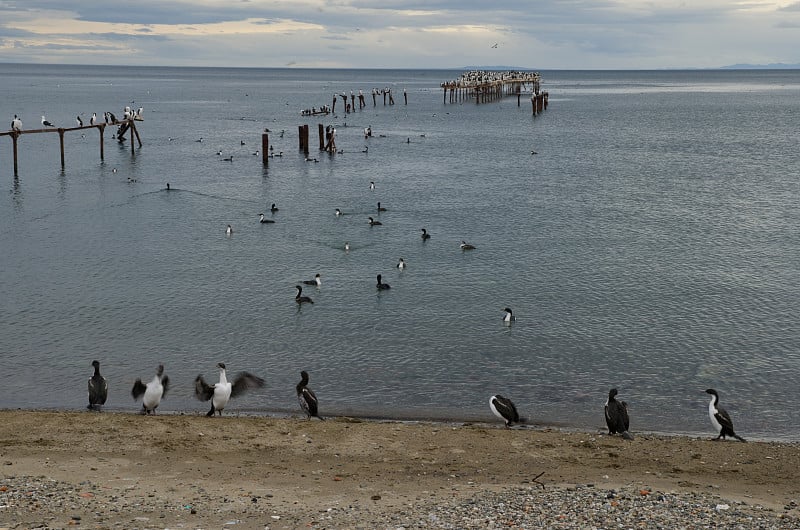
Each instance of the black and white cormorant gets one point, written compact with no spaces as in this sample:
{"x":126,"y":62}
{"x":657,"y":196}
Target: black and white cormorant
{"x":220,"y":393}
{"x":616,"y":413}
{"x":229,"y":230}
{"x":98,"y":388}
{"x":503,"y":408}
{"x":273,"y":208}
{"x":93,"y":119}
{"x":372,"y":185}
{"x":307,"y":398}
{"x":401,"y":264}
{"x":425,"y":235}
{"x":720,"y":419}
{"x":382,"y":286}
{"x":381,"y":208}
{"x":467,"y":246}
{"x":300,"y":299}
{"x":264,"y":220}
{"x":153,"y":391}
{"x":317,"y":281}
{"x":16,"y":123}
{"x":509,"y":316}
{"x":79,"y":120}
{"x":373,"y":222}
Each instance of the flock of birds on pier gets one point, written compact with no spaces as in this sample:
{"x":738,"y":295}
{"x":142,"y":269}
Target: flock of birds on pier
{"x":109,"y":118}
{"x":220,"y":393}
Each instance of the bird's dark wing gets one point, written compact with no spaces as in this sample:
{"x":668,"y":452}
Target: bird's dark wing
{"x":165,"y":384}
{"x":309,"y":401}
{"x":724,"y":419}
{"x":626,"y":420}
{"x":138,"y":389}
{"x":98,"y":391}
{"x":505,"y":407}
{"x":202,"y":390}
{"x":244,"y":382}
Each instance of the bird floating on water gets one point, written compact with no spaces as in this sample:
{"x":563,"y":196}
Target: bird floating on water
{"x":307,"y":398}
{"x":153,"y":391}
{"x":373,"y":222}
{"x":509,"y":316}
{"x":425,"y":235}
{"x":220,"y":393}
{"x":467,"y":246}
{"x":503,"y":408}
{"x":98,"y":388}
{"x":264,"y":220}
{"x":720,"y":419}
{"x":229,"y":230}
{"x":381,"y":208}
{"x":401,"y":264}
{"x":300,"y":299}
{"x":317,"y":281}
{"x":616,"y":413}
{"x":381,"y":286}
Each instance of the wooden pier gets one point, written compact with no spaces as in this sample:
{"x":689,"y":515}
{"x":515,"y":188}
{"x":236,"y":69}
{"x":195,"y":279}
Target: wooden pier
{"x":485,"y":86}
{"x":124,"y":126}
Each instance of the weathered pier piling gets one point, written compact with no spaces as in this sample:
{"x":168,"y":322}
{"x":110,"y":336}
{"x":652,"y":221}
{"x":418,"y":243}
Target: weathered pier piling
{"x":485,"y":86}
{"x":124,"y":125}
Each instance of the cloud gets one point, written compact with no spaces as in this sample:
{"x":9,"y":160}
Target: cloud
{"x":403,"y":33}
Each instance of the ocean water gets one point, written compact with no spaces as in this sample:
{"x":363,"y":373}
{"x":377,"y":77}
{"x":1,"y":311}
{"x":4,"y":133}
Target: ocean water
{"x":651,"y":244}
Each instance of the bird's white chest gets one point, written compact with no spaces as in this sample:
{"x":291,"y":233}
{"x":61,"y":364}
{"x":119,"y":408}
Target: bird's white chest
{"x":153,"y":393}
{"x":712,"y":414}
{"x":222,"y":394}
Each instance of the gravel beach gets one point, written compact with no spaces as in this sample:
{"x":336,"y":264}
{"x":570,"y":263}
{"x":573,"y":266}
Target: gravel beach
{"x":117,"y":470}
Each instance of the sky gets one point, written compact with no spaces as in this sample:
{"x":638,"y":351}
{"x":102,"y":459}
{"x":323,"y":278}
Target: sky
{"x":418,"y":34}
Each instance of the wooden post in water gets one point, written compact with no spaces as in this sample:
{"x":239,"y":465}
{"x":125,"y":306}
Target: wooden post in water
{"x":102,"y":129}
{"x":136,"y":132}
{"x":61,"y":140}
{"x":133,"y":147}
{"x":321,"y":137}
{"x":14,"y":140}
{"x":264,"y":148}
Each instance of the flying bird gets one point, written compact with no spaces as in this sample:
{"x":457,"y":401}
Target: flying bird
{"x":220,"y":393}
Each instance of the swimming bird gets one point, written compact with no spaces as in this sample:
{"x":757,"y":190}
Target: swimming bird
{"x":98,"y":388}
{"x":168,"y":188}
{"x":466,"y":246}
{"x":229,"y":230}
{"x":273,"y":208}
{"x":338,"y":212}
{"x":153,"y":391}
{"x":302,"y":299}
{"x":373,"y":222}
{"x":346,"y":246}
{"x":509,"y":316}
{"x":504,"y":409}
{"x":380,"y":208}
{"x":366,"y":149}
{"x":425,"y":234}
{"x":616,"y":413}
{"x":79,"y":120}
{"x":372,"y":185}
{"x":264,"y":219}
{"x":382,"y":286}
{"x":401,"y":264}
{"x":46,"y":123}
{"x":16,"y":123}
{"x":229,"y":159}
{"x":93,"y":119}
{"x":220,"y":393}
{"x":219,"y":153}
{"x":316,"y":281}
{"x":306,"y":397}
{"x":720,"y":419}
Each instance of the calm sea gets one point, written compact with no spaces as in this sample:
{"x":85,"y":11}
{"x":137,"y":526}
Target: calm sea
{"x":651,"y":244}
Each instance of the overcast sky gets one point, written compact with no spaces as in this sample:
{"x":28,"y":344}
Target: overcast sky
{"x":538,"y":34}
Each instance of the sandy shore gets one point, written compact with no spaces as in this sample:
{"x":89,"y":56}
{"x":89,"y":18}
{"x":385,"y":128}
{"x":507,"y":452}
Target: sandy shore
{"x":116,"y":470}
